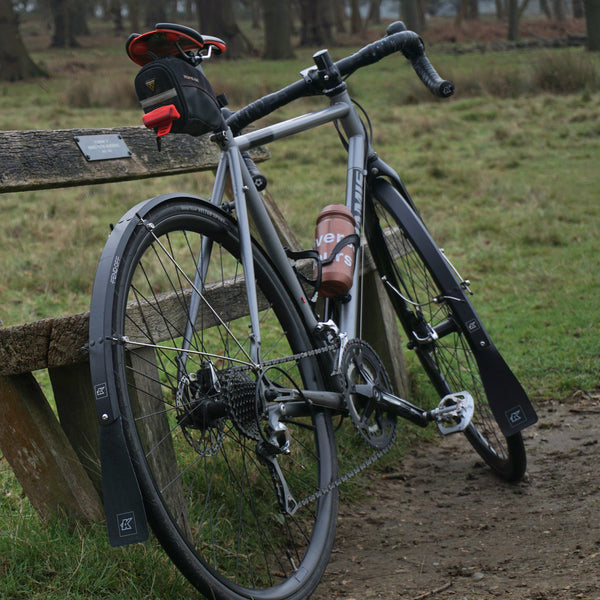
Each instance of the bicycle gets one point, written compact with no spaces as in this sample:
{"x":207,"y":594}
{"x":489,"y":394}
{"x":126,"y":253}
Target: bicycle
{"x":222,"y":375}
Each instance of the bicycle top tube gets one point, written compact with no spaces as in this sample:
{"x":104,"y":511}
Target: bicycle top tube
{"x":397,"y":39}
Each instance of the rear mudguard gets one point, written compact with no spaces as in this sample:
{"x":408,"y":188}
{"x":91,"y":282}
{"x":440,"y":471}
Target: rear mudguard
{"x":507,"y":398}
{"x":123,"y":502}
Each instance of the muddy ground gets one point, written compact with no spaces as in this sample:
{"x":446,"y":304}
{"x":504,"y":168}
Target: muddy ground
{"x":444,"y":528}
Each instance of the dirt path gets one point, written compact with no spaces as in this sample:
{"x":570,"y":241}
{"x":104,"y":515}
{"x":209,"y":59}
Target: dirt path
{"x":445,"y":529}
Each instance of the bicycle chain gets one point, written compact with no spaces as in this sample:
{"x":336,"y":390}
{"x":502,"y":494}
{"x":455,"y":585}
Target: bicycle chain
{"x":346,"y":476}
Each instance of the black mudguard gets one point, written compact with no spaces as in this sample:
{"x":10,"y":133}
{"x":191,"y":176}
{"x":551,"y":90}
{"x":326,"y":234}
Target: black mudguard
{"x":123,"y":503}
{"x":508,"y":401}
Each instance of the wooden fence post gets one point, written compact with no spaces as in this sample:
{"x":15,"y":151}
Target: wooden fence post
{"x":380,"y":330}
{"x":40,"y":454}
{"x":74,"y":398}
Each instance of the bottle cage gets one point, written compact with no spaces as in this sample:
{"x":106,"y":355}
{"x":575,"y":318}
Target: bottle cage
{"x":352,"y":239}
{"x":169,"y":38}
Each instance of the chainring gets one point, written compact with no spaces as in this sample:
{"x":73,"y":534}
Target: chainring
{"x":365,"y":379}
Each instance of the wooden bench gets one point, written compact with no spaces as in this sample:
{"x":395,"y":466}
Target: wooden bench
{"x":56,"y":460}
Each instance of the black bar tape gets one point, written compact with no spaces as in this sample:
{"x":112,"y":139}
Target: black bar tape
{"x":407,"y":42}
{"x":267,"y":104}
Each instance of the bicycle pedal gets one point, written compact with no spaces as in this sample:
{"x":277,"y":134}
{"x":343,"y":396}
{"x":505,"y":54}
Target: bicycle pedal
{"x":454,"y":412}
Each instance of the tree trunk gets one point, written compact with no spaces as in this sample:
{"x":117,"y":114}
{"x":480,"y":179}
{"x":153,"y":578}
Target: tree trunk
{"x":317,"y":23}
{"x":500,"y":10}
{"x":135,"y":17}
{"x":216,"y":18}
{"x":155,"y":13}
{"x":469,"y":10}
{"x":546,"y":8}
{"x":278,"y":34}
{"x":411,"y":15}
{"x":64,"y":17}
{"x":116,"y":15}
{"x":578,"y":12}
{"x":355,"y":20}
{"x":339,"y":14}
{"x":513,"y":20}
{"x":256,"y":13}
{"x":14,"y":60}
{"x":592,"y":17}
{"x":374,"y":15}
{"x":559,"y":10}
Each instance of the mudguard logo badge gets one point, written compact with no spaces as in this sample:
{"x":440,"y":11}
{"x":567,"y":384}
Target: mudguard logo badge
{"x":126,"y":523}
{"x":515,"y":416}
{"x":472,"y":325}
{"x":101,"y":391}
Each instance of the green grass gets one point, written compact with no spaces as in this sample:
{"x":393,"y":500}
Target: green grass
{"x":505,"y":174}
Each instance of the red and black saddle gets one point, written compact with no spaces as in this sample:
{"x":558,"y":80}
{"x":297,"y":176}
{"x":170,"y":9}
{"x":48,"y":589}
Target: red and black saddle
{"x":169,"y":38}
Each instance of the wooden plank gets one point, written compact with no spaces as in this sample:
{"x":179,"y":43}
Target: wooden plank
{"x":51,"y":158}
{"x":380,"y":330}
{"x":40,"y":454}
{"x":51,"y":343}
{"x":61,"y":341}
{"x":74,"y":398}
{"x":42,"y":344}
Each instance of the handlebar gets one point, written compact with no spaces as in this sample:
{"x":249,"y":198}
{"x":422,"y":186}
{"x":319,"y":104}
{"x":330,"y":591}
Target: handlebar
{"x":397,"y":39}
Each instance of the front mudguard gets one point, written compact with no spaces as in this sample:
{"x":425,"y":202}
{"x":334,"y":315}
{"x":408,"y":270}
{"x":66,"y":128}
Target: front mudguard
{"x":508,"y":401}
{"x":123,"y":502}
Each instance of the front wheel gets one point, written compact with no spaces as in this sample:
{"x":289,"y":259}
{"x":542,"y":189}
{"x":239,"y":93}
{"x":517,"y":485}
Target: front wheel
{"x":436,"y":332}
{"x":217,"y":480}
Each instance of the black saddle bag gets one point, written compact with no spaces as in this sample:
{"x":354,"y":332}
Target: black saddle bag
{"x":171,"y":80}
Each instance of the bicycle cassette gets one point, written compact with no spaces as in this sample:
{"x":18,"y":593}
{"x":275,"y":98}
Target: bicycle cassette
{"x":365,"y":379}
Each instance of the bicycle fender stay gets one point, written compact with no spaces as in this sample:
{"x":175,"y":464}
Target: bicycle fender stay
{"x":123,"y":503}
{"x":508,"y":400}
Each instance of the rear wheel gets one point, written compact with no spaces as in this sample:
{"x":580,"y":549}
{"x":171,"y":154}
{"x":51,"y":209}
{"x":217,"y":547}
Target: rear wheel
{"x":435,"y":332}
{"x":219,"y":472}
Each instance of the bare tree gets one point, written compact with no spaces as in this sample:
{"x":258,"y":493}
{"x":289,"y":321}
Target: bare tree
{"x":64,"y":16}
{"x":515,"y":12}
{"x":278,"y":29}
{"x":15,"y":62}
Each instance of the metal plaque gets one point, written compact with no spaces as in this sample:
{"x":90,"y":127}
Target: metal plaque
{"x":103,"y":147}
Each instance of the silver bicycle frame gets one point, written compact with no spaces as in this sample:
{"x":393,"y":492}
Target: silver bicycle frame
{"x":248,"y":201}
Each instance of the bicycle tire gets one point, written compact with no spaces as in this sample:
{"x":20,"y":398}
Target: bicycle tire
{"x":211,"y":500}
{"x":402,"y":253}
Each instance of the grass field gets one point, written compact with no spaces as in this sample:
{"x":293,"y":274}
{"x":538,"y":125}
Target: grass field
{"x":506,"y":174}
